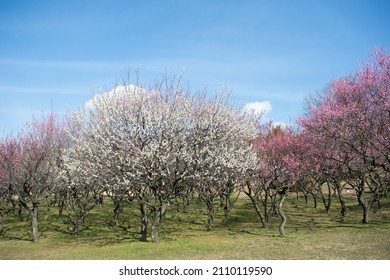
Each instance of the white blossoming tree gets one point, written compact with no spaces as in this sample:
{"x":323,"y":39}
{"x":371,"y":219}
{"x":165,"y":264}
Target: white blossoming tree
{"x":222,"y":150}
{"x":150,"y":145}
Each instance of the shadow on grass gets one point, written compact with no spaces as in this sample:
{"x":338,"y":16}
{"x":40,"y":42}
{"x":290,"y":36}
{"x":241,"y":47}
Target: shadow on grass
{"x":243,"y":221}
{"x":243,"y":231}
{"x":7,"y":237}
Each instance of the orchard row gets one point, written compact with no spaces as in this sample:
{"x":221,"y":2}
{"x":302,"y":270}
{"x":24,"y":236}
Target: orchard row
{"x":152,"y":146}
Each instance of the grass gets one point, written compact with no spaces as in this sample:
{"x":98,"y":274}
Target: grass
{"x":310,"y":234}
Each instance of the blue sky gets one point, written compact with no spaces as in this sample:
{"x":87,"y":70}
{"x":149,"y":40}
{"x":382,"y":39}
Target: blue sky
{"x":56,"y":54}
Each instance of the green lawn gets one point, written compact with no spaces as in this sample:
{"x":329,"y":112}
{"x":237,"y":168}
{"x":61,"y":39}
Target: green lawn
{"x":310,"y":234}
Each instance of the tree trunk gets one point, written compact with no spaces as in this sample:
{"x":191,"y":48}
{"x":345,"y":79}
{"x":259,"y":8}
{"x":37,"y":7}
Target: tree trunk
{"x":34,"y":223}
{"x":343,"y":210}
{"x":253,"y":199}
{"x":48,"y":205}
{"x":20,"y":212}
{"x":306,"y":197}
{"x":76,"y":227}
{"x":60,"y":210}
{"x":273,"y":205}
{"x":363,"y":205}
{"x":210,"y":218}
{"x":314,"y":200}
{"x":327,"y":201}
{"x":177,"y":204}
{"x":281,"y":214}
{"x":163,"y":210}
{"x":365,"y":215}
{"x":1,"y":224}
{"x":227,"y":205}
{"x":117,"y":211}
{"x":157,"y":215}
{"x":186,"y":204}
{"x":265,"y":204}
{"x":61,"y":206}
{"x":154,"y":232}
{"x":144,"y":222}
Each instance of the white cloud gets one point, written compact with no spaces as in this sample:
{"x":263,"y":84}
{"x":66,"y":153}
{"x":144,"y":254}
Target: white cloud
{"x":257,"y":107}
{"x":121,"y":89}
{"x":281,"y":124}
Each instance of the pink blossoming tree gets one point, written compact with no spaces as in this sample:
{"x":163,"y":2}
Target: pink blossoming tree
{"x":38,"y":158}
{"x":353,"y":116}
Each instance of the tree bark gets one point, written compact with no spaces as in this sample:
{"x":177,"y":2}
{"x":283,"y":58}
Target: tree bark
{"x":61,"y":206}
{"x":76,"y":227}
{"x":20,"y":212}
{"x":360,"y":192}
{"x":210,"y":217}
{"x":314,"y":200}
{"x":365,"y":215}
{"x":1,"y":224}
{"x":306,"y":197}
{"x":186,"y":203}
{"x":328,"y":200}
{"x":155,"y":225}
{"x":117,"y":211}
{"x":282,"y":215}
{"x":364,"y":206}
{"x":34,"y":222}
{"x":154,"y":232}
{"x":253,"y":199}
{"x":157,"y":214}
{"x":343,"y":210}
{"x":48,"y":205}
{"x":265,"y":204}
{"x":227,"y":206}
{"x":144,"y":222}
